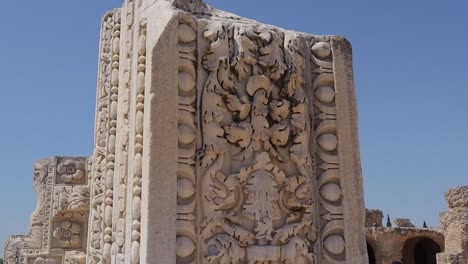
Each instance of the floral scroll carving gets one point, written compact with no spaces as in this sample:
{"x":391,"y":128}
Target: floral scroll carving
{"x":257,"y":168}
{"x":71,"y":199}
{"x":255,"y":164}
{"x":138,"y":149}
{"x":123,"y":132}
{"x":71,"y":171}
{"x":41,"y":260}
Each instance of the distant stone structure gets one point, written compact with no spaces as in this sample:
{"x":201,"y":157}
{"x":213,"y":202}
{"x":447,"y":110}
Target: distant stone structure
{"x":403,"y":222}
{"x":218,"y":140}
{"x":59,"y":224}
{"x":404,"y":244}
{"x":454,"y":225}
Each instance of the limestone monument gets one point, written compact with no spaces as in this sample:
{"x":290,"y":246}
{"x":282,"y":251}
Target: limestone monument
{"x":218,"y":140}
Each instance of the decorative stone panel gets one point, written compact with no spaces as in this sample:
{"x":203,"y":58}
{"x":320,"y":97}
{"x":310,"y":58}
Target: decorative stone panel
{"x":218,"y":139}
{"x":60,"y":221}
{"x":263,"y":121}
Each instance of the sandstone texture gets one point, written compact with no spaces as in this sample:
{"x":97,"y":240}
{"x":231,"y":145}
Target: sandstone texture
{"x":59,"y":224}
{"x":403,"y":222}
{"x":218,"y":139}
{"x":374,"y":218}
{"x":388,"y":245}
{"x":454,"y":224}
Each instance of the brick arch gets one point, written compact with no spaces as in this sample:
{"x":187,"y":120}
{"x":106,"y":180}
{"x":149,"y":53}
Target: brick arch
{"x":421,"y":250}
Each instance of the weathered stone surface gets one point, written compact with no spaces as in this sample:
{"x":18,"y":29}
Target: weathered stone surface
{"x":59,"y":223}
{"x":403,"y":222}
{"x":388,"y":245}
{"x":457,"y":197}
{"x":374,"y":218}
{"x":218,"y":140}
{"x":454,"y":224}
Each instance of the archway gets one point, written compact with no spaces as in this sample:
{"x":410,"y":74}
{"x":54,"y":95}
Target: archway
{"x":370,"y":254}
{"x":420,"y":250}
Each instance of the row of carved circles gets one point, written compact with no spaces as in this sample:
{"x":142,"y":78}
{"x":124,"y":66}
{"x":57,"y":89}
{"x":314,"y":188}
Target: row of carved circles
{"x":138,"y":151}
{"x":325,"y":127}
{"x":327,"y":147}
{"x":186,"y":200}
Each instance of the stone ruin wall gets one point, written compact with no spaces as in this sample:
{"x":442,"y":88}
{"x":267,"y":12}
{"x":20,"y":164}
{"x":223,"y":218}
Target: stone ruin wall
{"x":218,"y":140}
{"x":454,"y":225}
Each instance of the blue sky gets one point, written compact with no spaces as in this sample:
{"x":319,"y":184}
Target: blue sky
{"x":411,"y":74}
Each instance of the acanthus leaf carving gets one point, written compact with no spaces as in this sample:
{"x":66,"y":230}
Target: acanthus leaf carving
{"x":256,"y":111}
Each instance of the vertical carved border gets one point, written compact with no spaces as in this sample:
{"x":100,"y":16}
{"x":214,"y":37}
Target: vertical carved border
{"x":327,"y":159}
{"x":121,"y":177}
{"x":96,"y":219}
{"x":138,"y":151}
{"x":48,"y":203}
{"x":111,"y":140}
{"x":186,"y":180}
{"x":43,"y":243}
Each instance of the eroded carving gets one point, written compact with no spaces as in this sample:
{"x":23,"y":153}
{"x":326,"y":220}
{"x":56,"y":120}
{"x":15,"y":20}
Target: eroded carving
{"x":111,"y":138}
{"x":71,"y":171}
{"x":100,"y":235}
{"x":258,"y":169}
{"x":41,"y":260}
{"x":61,"y":215}
{"x":75,"y":257}
{"x":68,"y":234}
{"x":71,"y":199}
{"x":254,"y":110}
{"x":138,"y":151}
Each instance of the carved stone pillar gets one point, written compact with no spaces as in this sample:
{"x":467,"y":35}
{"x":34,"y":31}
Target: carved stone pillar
{"x":249,"y":149}
{"x":222,"y":140}
{"x":59,"y":224}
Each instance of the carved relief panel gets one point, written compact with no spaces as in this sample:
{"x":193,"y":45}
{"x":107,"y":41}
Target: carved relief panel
{"x":266,"y":186}
{"x":262,"y":168}
{"x":59,"y":223}
{"x":256,"y":166}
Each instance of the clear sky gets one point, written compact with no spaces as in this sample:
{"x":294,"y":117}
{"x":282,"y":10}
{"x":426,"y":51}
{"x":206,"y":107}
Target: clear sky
{"x":411,"y":74}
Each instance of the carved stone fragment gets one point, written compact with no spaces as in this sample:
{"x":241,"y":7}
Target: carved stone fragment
{"x":218,"y":139}
{"x":60,"y":221}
